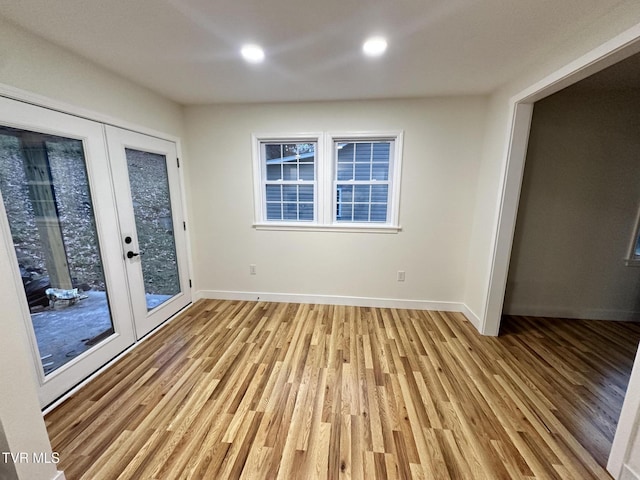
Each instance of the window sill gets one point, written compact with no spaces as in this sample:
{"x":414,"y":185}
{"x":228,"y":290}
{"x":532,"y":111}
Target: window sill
{"x":632,"y":262}
{"x":314,"y":227}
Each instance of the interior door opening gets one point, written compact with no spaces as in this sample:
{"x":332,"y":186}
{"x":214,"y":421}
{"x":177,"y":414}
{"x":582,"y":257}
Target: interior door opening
{"x":520,"y":129}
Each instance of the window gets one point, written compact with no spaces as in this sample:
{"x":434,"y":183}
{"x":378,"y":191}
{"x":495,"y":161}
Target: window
{"x":362,"y":181}
{"x":633,"y":255}
{"x":355,"y":186}
{"x":285,"y":179}
{"x":290,"y":182}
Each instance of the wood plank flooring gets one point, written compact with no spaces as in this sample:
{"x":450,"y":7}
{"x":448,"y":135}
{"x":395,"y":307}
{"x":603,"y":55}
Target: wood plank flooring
{"x":284,"y":391}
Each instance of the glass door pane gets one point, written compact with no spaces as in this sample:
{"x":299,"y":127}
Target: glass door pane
{"x":47,"y":198}
{"x":151,"y":199}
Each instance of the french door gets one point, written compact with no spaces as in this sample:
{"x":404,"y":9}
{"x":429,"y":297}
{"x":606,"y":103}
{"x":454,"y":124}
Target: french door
{"x":96,"y":234}
{"x":147,"y":183}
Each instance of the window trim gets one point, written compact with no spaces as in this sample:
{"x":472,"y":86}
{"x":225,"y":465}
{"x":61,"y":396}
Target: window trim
{"x":324,"y":183}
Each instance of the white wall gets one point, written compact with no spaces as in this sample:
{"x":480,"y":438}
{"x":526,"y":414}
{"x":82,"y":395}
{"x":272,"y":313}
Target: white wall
{"x":449,"y":221}
{"x":578,"y":207}
{"x":29,"y":63}
{"x":496,"y":143}
{"x":442,"y":143}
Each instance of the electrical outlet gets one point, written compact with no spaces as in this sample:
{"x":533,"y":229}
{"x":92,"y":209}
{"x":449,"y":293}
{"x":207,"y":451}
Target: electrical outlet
{"x":401,"y":275}
{"x":252,"y":269}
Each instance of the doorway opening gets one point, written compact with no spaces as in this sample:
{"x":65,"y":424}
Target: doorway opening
{"x":609,"y":54}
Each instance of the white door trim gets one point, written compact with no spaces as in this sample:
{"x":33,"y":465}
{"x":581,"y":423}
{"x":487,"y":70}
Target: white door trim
{"x":628,"y":424}
{"x":9,"y":91}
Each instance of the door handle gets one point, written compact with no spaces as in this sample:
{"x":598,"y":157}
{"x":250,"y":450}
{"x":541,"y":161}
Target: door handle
{"x":131,"y":254}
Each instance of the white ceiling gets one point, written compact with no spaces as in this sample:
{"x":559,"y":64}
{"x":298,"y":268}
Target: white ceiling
{"x":188,"y":50}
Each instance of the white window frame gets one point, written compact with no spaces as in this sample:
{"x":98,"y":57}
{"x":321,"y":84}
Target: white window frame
{"x":632,"y":259}
{"x":260,"y":177}
{"x":324,"y":183}
{"x":395,"y":172}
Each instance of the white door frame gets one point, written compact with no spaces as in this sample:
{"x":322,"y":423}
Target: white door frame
{"x":521,"y":106}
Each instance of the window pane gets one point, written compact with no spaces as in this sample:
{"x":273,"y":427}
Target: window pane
{"x":273,"y":150}
{"x":306,"y":211}
{"x":290,"y":211}
{"x":345,"y":171}
{"x":362,"y":193}
{"x":363,"y":171}
{"x":381,"y":152}
{"x":363,"y":152}
{"x":360,"y":213}
{"x":290,"y":171}
{"x":274,"y":211}
{"x":344,"y":212}
{"x":308,"y":157}
{"x":379,"y":193}
{"x":306,"y":172}
{"x":380,"y":171}
{"x":379,"y":212}
{"x":274,"y":193}
{"x":345,"y":193}
{"x":305,"y":193}
{"x":290,"y":193}
{"x":289,"y":150}
{"x":345,"y":152}
{"x":306,"y":150}
{"x":274,"y":171}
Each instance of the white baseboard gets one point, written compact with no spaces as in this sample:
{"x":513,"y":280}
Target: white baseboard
{"x":342,"y":300}
{"x":472,"y":317}
{"x":583,"y":314}
{"x":59,"y":476}
{"x":629,"y":474}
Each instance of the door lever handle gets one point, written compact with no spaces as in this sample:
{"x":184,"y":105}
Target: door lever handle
{"x":131,"y":254}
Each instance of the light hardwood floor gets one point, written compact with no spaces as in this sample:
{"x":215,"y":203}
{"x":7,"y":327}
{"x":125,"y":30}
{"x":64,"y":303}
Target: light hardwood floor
{"x":282,"y":391}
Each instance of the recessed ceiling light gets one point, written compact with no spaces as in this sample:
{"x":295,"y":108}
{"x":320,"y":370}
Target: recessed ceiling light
{"x":374,"y":46}
{"x":252,"y":53}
